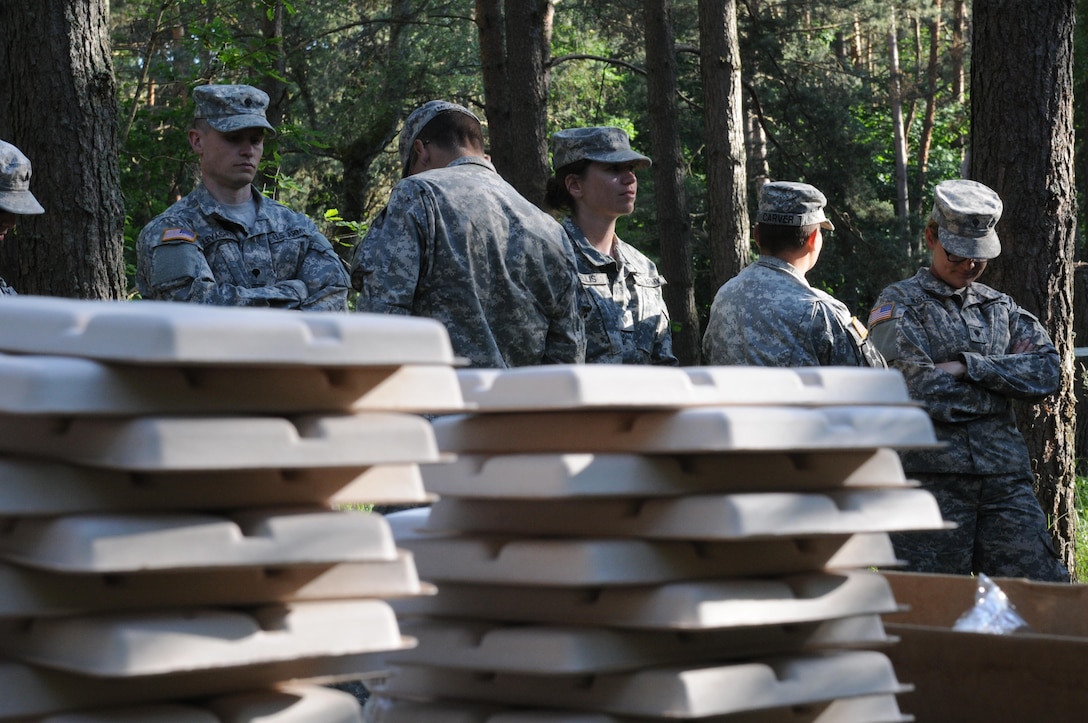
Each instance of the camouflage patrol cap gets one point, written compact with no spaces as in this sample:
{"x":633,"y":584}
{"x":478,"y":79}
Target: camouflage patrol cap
{"x":417,"y":121}
{"x":604,"y":144}
{"x":967,"y":213}
{"x":787,"y":203}
{"x":15,"y":195}
{"x":229,"y":108}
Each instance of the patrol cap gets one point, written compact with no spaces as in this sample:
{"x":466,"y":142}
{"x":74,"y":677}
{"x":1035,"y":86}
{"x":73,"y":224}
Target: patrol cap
{"x":417,"y":120}
{"x":229,"y":108}
{"x":788,"y":203}
{"x":967,"y":213}
{"x":15,"y":195}
{"x":599,"y":143}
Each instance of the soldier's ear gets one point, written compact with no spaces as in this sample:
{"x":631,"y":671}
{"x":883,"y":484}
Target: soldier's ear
{"x":573,"y":182}
{"x":196,"y":141}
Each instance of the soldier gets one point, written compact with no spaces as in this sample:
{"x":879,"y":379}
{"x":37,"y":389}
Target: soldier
{"x":627,"y":321}
{"x":15,"y":196}
{"x":768,"y":315}
{"x":966,"y":352}
{"x":458,"y":244}
{"x":225,"y":243}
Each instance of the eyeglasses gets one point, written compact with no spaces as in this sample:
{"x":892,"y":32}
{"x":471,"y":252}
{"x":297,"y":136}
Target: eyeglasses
{"x":953,"y":259}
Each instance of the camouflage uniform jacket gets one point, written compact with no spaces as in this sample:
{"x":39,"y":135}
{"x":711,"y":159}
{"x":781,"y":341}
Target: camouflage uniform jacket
{"x":6,"y":290}
{"x":922,"y":321}
{"x":769,"y":315}
{"x":461,"y":245}
{"x":626,"y":319}
{"x":194,"y":252}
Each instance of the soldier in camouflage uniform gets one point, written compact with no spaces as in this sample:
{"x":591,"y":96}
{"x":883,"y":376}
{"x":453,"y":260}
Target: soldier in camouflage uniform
{"x":627,"y":321}
{"x":225,"y":243}
{"x":966,"y":351}
{"x":768,"y":314}
{"x":15,"y":196}
{"x":458,"y":244}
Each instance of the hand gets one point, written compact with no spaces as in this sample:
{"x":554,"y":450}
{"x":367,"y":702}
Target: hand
{"x":1023,"y":345}
{"x":955,"y":368}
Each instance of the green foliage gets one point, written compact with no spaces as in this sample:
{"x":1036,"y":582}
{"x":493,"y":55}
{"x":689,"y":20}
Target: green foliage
{"x":350,"y":71}
{"x":350,"y":231}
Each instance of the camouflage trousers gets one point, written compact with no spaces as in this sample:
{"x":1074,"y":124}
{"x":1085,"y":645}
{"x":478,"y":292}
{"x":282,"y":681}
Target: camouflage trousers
{"x":1001,"y":530}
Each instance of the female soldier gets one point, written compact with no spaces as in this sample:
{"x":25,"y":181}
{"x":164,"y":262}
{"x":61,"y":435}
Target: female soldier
{"x":594,"y":184}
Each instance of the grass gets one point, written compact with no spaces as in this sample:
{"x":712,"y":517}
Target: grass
{"x":1081,"y":548}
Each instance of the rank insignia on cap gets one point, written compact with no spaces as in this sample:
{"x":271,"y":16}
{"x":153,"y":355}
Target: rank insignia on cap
{"x":881,"y":313}
{"x":179,"y":234}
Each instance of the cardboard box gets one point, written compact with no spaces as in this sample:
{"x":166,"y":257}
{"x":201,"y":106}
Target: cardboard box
{"x":1040,"y":675}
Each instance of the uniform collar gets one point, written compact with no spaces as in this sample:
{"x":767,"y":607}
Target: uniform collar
{"x":773,"y":262}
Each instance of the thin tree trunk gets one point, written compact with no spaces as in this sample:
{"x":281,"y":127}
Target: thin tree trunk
{"x":60,"y":109}
{"x":673,"y":221}
{"x":371,"y":139}
{"x":902,"y":202}
{"x":958,"y":51}
{"x":275,"y":86}
{"x":929,"y":120}
{"x":1024,"y":151}
{"x":727,"y":218}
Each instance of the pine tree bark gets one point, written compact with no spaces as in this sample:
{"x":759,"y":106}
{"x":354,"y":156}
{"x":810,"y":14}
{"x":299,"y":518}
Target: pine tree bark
{"x":723,"y":119}
{"x":1022,"y":147}
{"x":673,"y":220}
{"x":515,"y":52}
{"x":60,"y":109}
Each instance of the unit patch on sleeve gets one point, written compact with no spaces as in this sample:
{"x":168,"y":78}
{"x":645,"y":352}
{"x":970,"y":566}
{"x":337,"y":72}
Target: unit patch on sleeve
{"x":178,"y":234}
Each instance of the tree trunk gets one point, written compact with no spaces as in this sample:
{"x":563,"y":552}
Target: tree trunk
{"x":490,"y":30}
{"x":1024,"y":151}
{"x":926,"y":137}
{"x":902,"y":202}
{"x":959,"y":48}
{"x":727,"y":217}
{"x":372,"y":138}
{"x":529,"y":22}
{"x":673,"y":221}
{"x":271,"y":22}
{"x":60,"y":109}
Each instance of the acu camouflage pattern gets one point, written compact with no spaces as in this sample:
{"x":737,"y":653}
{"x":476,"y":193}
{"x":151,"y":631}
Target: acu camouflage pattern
{"x":6,"y":290}
{"x":982,"y":476}
{"x":769,"y":315}
{"x":228,"y":108}
{"x":604,"y":144}
{"x":626,"y":319}
{"x":462,"y":246}
{"x":15,"y":173}
{"x":417,"y":120}
{"x":194,"y":252}
{"x":1001,"y":530}
{"x":787,"y":203}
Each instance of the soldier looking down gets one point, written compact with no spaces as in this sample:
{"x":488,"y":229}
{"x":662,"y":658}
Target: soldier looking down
{"x":227,"y":244}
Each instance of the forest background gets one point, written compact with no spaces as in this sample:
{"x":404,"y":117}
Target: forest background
{"x":872,"y":102}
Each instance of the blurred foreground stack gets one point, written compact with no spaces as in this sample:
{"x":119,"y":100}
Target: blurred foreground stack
{"x":627,"y":545}
{"x":171,"y":477}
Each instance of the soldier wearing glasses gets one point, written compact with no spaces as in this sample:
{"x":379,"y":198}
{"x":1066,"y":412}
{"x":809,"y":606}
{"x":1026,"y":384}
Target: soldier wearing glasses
{"x":966,"y":352}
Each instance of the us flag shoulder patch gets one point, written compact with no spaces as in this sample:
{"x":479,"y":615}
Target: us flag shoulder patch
{"x":179,"y":234}
{"x":881,"y":313}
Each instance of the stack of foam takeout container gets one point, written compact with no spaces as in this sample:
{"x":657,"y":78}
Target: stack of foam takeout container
{"x":178,"y":485}
{"x":622,"y":545}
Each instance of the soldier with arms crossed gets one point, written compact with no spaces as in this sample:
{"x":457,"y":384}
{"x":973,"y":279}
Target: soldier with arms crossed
{"x":225,"y":243}
{"x":967,"y":351}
